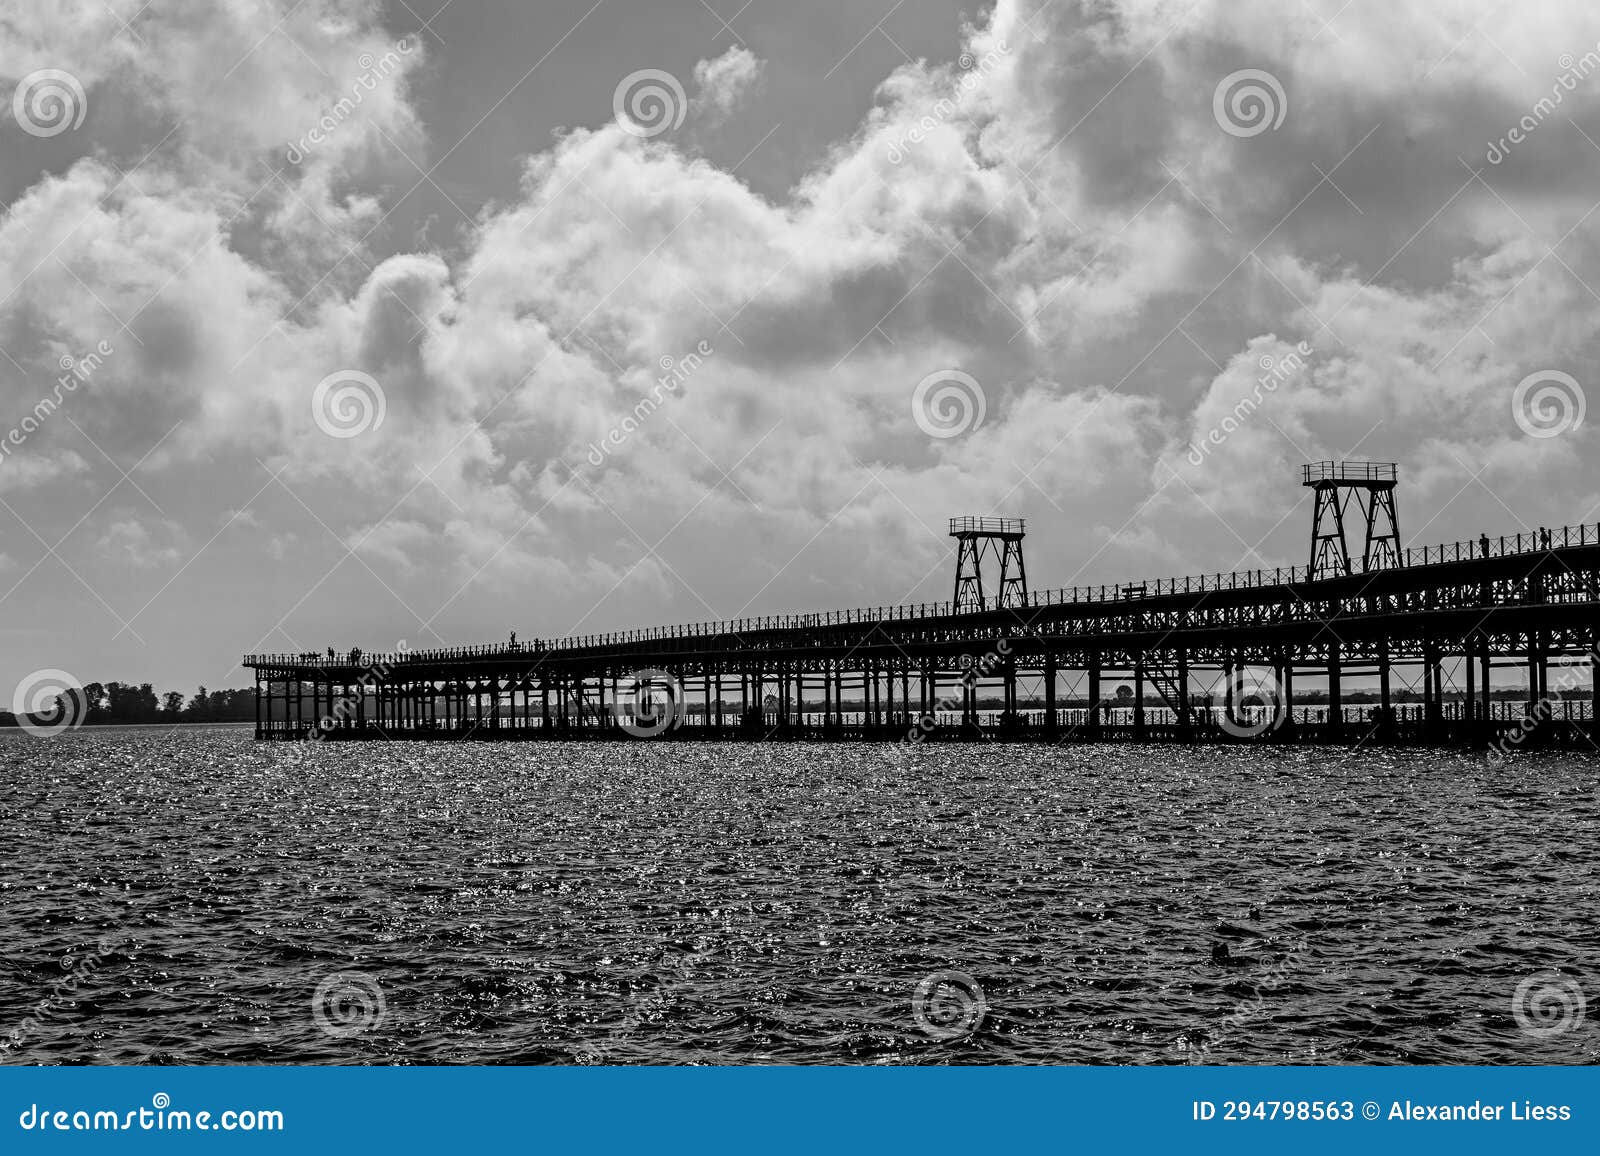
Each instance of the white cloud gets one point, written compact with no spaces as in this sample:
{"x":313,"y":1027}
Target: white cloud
{"x":1063,"y":219}
{"x":726,"y":79}
{"x":130,"y":541}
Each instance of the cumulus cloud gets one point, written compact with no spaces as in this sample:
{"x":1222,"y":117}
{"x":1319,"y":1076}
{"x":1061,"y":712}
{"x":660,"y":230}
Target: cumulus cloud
{"x":1056,"y":211}
{"x":131,"y":541}
{"x":723,"y":81}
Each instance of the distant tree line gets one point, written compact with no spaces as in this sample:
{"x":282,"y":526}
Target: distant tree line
{"x":112,"y":703}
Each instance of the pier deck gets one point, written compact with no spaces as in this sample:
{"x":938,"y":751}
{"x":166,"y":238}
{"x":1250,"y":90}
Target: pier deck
{"x":1263,"y":655}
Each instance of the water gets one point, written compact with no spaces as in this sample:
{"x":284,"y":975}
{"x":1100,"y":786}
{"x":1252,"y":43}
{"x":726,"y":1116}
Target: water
{"x":180,"y":897}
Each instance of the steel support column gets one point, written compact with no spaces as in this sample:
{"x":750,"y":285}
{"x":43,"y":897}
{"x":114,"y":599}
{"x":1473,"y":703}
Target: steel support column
{"x":1094,"y":696}
{"x":1335,"y":698}
{"x":1050,"y":728}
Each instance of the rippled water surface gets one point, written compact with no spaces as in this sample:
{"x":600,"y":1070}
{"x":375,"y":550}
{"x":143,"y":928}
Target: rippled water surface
{"x":196,"y":897}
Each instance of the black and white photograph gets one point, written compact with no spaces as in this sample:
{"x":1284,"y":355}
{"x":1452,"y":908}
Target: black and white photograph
{"x":728,"y":533}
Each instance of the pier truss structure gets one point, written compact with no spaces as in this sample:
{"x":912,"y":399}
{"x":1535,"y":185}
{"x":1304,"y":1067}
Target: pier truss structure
{"x":1492,"y":641}
{"x":1371,"y":485}
{"x":1000,"y":540}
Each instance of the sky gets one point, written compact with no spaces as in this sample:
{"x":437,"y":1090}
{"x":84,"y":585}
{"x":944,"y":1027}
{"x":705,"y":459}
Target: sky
{"x":340,"y":323}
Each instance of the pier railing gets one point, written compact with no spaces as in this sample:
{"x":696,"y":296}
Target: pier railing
{"x":1506,"y":545}
{"x":972,"y":525}
{"x":1315,"y":472}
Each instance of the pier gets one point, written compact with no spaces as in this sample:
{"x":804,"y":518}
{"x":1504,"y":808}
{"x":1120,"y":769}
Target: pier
{"x":1485,"y":642}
